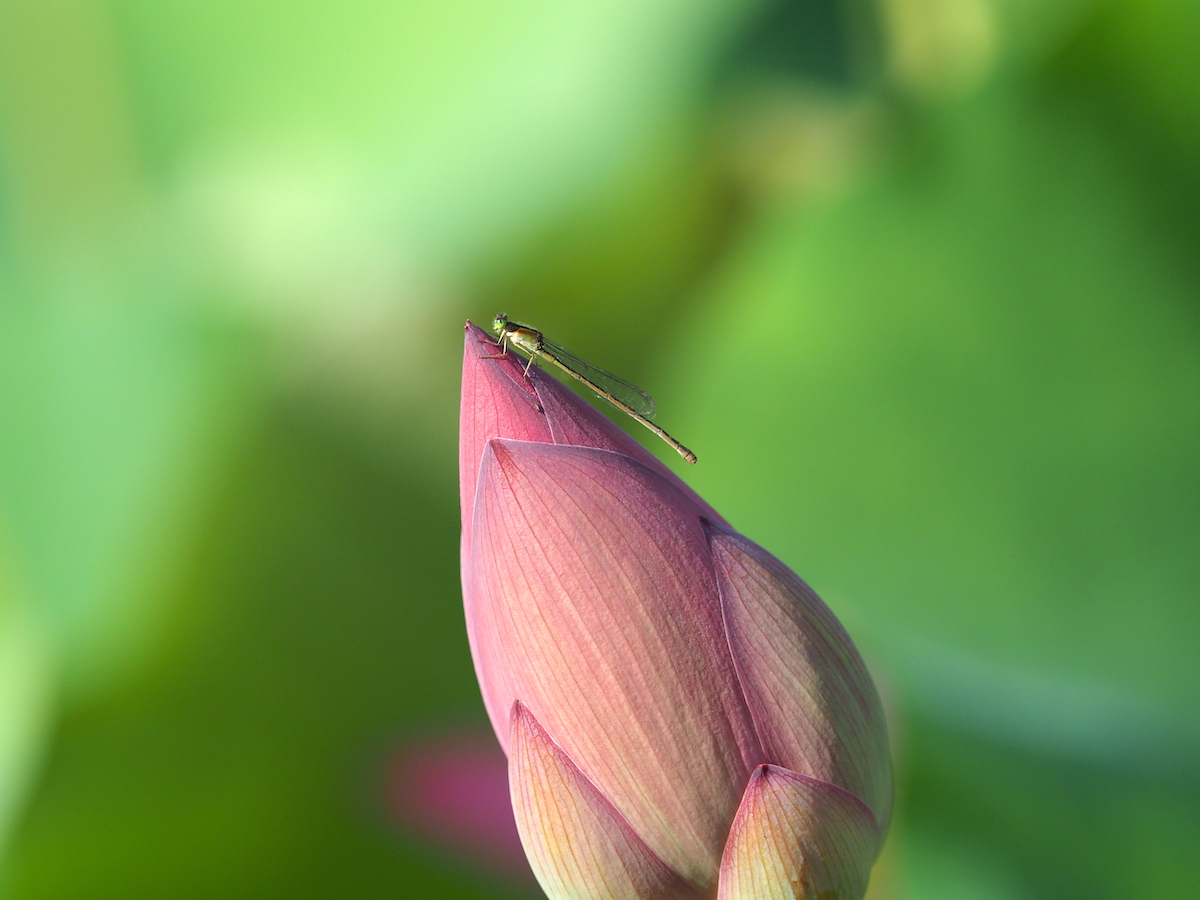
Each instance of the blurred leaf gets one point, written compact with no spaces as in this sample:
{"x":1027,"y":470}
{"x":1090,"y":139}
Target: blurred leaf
{"x":965,"y":404}
{"x":448,"y":130}
{"x":27,"y":689}
{"x":116,"y":383}
{"x":114,"y":412}
{"x":1042,"y":827}
{"x":939,"y":50}
{"x":1145,"y":52}
{"x":320,"y":626}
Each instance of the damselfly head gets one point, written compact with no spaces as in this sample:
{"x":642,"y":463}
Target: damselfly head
{"x":501,"y":324}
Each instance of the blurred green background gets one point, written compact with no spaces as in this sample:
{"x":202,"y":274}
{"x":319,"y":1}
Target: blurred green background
{"x":919,"y":281}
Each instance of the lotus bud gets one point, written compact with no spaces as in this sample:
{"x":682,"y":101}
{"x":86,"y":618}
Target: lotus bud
{"x":683,"y":716}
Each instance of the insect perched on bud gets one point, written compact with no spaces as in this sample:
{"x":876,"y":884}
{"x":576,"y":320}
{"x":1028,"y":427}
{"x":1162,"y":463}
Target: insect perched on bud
{"x":629,"y":398}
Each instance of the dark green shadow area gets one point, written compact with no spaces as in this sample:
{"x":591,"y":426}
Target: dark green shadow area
{"x":987,"y":819}
{"x":319,"y":626}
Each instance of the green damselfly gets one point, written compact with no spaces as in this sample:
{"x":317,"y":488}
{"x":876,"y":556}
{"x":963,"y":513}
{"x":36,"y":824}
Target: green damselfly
{"x":629,"y":398}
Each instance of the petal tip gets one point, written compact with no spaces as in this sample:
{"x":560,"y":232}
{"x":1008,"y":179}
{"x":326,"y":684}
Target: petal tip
{"x":797,"y":837}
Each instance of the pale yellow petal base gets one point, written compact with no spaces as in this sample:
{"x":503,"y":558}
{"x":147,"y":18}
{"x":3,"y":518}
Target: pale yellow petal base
{"x":578,"y":844}
{"x":796,"y":838}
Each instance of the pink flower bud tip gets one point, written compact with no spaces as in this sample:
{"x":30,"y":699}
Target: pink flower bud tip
{"x":683,"y":716}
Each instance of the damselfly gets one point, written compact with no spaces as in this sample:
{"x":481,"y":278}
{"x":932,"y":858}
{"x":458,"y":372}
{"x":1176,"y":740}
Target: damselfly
{"x":628,"y":398}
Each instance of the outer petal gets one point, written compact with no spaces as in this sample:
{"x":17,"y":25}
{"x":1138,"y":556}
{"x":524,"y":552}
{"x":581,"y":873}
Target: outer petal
{"x":576,"y":422}
{"x":497,"y":401}
{"x":813,"y":702}
{"x":597,"y":607}
{"x":580,"y":847}
{"x":796,"y":838}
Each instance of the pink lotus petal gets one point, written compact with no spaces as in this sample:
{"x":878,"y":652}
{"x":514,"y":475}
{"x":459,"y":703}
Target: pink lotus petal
{"x":808,"y":690}
{"x":497,"y":401}
{"x":796,"y":838}
{"x":595,"y":605}
{"x":453,"y":790}
{"x":579,"y":845}
{"x":574,"y":422}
